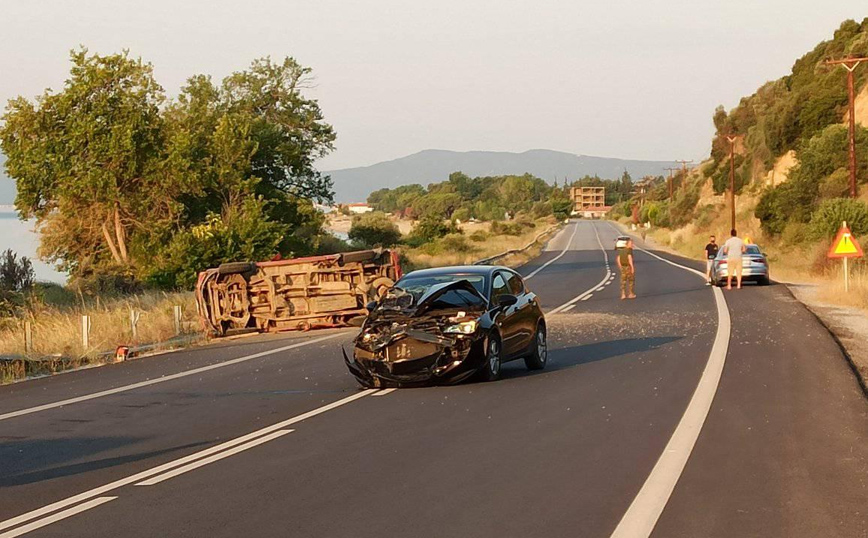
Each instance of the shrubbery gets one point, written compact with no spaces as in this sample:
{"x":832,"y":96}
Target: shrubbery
{"x":827,"y":219}
{"x":374,"y":230}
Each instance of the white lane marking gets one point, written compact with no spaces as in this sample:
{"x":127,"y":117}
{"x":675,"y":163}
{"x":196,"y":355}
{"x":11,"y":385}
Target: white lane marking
{"x":57,"y":517}
{"x":383,"y":392}
{"x":556,"y":258}
{"x":586,"y":297}
{"x":216,"y":457}
{"x":645,"y":510}
{"x":172,"y":464}
{"x":582,"y":295}
{"x":567,"y":309}
{"x":163,"y":379}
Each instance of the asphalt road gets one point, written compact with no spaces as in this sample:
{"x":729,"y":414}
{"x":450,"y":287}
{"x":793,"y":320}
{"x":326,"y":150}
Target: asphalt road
{"x":269,"y":436}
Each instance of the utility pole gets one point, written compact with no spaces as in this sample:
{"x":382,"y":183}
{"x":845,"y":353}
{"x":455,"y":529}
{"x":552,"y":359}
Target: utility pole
{"x":850,"y":64}
{"x":671,"y":181}
{"x":684,"y":171}
{"x":731,"y":139}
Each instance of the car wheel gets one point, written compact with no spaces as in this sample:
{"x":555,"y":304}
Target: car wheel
{"x":764,"y":281}
{"x":493,"y":360}
{"x":540,"y":354}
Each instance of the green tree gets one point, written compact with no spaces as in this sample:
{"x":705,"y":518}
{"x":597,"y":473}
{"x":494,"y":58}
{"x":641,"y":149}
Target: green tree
{"x":827,"y":219}
{"x":85,"y":158}
{"x":374,"y":230}
{"x":120,"y":182}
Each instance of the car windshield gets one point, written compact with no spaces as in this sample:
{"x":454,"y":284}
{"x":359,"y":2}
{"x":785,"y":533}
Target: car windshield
{"x":418,"y":285}
{"x":749,"y":249}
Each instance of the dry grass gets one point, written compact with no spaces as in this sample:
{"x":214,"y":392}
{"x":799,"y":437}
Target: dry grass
{"x":57,"y":331}
{"x":788,"y":263}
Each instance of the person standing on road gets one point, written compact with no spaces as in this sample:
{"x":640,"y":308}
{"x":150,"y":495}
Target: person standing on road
{"x":710,"y":253}
{"x":733,"y":248}
{"x":628,"y":271}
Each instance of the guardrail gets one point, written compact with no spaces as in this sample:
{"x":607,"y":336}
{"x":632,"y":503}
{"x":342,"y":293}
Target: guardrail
{"x":490,"y":259}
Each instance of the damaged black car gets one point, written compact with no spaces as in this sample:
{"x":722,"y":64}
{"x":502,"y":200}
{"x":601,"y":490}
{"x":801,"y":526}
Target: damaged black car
{"x":446,"y":325}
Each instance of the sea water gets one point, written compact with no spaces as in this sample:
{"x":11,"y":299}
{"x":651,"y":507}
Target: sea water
{"x":21,"y":237}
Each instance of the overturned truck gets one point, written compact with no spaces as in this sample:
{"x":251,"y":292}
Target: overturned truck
{"x":296,"y":294}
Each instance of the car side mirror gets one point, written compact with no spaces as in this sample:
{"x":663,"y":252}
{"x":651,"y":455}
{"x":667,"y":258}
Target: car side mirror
{"x":506,"y":300}
{"x":371,"y":306}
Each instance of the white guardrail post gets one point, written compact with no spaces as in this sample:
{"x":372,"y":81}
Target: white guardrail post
{"x":85,"y":332}
{"x":177,"y":313}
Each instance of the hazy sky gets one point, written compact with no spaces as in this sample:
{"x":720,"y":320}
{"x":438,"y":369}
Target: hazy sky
{"x":637,"y":79}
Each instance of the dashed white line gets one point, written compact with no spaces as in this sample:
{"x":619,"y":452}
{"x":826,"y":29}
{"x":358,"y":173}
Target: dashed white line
{"x":581,"y":296}
{"x":163,"y":379}
{"x":383,"y":392}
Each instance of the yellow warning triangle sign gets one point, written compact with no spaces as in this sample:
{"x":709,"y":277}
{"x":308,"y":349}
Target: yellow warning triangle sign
{"x":845,"y":245}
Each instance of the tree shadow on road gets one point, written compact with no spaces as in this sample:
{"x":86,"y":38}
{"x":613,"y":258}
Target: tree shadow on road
{"x":68,"y":450}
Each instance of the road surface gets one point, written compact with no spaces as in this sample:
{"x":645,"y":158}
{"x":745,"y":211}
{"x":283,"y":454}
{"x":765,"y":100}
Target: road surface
{"x":686,"y":412}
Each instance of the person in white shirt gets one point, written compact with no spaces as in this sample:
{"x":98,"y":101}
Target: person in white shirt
{"x":733,"y":248}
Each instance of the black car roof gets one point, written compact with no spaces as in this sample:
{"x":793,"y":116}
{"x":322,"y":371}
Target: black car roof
{"x":458,"y":270}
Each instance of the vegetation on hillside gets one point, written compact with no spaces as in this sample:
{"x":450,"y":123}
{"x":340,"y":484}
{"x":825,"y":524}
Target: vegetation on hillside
{"x":801,"y":112}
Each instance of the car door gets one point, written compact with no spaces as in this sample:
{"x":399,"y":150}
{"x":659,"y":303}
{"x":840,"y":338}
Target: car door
{"x":524,"y":311}
{"x":506,"y":319}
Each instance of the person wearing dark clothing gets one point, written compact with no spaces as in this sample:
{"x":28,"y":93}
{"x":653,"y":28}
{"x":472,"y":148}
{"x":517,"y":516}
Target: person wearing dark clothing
{"x":711,"y":250}
{"x":628,"y":271}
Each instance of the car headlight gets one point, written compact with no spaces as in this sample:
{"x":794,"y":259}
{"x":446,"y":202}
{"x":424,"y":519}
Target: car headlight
{"x":465,"y":327}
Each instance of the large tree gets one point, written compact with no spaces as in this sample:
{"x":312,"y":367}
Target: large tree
{"x":121,"y":180}
{"x":84,"y":158}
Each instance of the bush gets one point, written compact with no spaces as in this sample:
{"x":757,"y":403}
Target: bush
{"x":431,"y":228}
{"x":827,"y":219}
{"x":455,"y":243}
{"x":479,"y":236}
{"x":835,"y":185}
{"x":16,"y":274}
{"x":374,"y":229}
{"x":795,"y":233}
{"x":461,"y":214}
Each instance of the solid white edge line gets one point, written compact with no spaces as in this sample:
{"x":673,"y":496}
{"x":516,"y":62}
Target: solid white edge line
{"x":216,"y":457}
{"x":593,"y":288}
{"x":556,"y":258}
{"x":57,"y":517}
{"x":645,"y":510}
{"x":163,"y":379}
{"x":172,"y":464}
{"x":568,"y":308}
{"x":384,"y":392}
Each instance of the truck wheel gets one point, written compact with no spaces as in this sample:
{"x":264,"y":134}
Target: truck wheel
{"x":379,"y":287}
{"x":234,"y":268}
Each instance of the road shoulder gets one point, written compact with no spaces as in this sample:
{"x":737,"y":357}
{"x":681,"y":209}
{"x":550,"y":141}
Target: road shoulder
{"x":848,"y":326}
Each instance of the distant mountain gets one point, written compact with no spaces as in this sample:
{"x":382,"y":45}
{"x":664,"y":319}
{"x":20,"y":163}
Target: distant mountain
{"x":7,"y":186}
{"x":354,"y":184}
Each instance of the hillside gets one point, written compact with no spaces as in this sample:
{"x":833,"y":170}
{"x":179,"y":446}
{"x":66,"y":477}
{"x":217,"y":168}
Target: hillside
{"x":354,"y":184}
{"x":7,"y":186}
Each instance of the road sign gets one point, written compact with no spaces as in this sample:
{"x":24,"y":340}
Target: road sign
{"x":845,"y":245}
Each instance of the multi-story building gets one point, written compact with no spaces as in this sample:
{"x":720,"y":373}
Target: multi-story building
{"x":589,"y":201}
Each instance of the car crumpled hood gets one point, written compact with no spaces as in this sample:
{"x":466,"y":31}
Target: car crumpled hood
{"x":398,"y":316}
{"x":397,"y":299}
